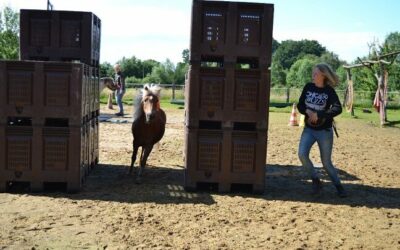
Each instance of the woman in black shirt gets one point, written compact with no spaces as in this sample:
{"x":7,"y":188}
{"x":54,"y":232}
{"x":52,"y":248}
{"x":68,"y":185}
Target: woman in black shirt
{"x":320,"y":103}
{"x":120,"y":91}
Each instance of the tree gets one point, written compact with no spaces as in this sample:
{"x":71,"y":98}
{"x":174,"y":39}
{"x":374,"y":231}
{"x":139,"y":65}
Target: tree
{"x":287,"y":53}
{"x":9,"y":34}
{"x":379,"y":62}
{"x":301,"y":71}
{"x":106,"y":70}
{"x":131,"y":67}
{"x":290,"y":51}
{"x":364,"y":79}
{"x":180,"y":72}
{"x":185,"y":56}
{"x":278,"y":75}
{"x":332,"y":59}
{"x":392,"y":43}
{"x":164,"y":73}
{"x":168,"y":73}
{"x":147,"y":67}
{"x":394,"y":77}
{"x":275,"y":45}
{"x":342,"y":74}
{"x":134,"y":67}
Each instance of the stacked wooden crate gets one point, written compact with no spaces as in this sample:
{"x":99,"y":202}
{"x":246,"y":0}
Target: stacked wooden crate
{"x":49,"y":109}
{"x":227,"y":94}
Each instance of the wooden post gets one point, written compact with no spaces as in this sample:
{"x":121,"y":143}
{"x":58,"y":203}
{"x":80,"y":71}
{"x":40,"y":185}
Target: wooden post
{"x":385,"y":96}
{"x":347,"y":93}
{"x":382,"y":77}
{"x":173,"y":91}
{"x":381,"y":87}
{"x":287,"y":95}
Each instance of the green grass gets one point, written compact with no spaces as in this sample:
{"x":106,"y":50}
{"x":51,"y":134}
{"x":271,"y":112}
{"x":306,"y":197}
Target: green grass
{"x":166,"y":104}
{"x":128,"y":100}
{"x":393,"y":113}
{"x":166,"y":94}
{"x":393,"y":116}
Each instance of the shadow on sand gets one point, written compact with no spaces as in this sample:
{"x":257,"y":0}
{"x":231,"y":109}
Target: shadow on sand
{"x":392,"y":123}
{"x":291,"y":183}
{"x":164,"y":185}
{"x":105,"y":182}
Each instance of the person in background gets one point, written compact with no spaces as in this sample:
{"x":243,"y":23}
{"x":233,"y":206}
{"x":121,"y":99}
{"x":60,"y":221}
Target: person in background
{"x":320,"y":104}
{"x":120,"y":91}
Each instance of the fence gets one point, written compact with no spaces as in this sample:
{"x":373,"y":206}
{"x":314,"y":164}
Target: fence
{"x":169,"y":92}
{"x":361,"y":98}
{"x":277,"y":95}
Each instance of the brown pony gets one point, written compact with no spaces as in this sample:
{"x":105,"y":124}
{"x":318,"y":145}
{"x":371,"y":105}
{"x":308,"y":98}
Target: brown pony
{"x":148,"y":125}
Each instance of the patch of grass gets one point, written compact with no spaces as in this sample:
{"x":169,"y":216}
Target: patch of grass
{"x":280,"y":109}
{"x":372,"y":117}
{"x":166,"y":104}
{"x":393,"y":112}
{"x":166,"y":94}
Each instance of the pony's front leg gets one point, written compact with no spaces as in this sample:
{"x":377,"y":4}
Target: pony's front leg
{"x":143,"y":160}
{"x":134,"y":153}
{"x":109,"y":101}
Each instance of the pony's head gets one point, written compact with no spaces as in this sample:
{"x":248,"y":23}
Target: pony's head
{"x":150,"y":101}
{"x":107,"y":82}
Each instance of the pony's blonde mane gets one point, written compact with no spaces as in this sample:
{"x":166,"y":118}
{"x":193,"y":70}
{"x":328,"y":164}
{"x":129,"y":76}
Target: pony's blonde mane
{"x":147,"y":90}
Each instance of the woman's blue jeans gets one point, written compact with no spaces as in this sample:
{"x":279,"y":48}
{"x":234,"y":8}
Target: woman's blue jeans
{"x":324,"y":138}
{"x":118,"y":98}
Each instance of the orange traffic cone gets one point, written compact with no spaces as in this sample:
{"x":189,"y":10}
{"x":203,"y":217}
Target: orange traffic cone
{"x":293,"y":117}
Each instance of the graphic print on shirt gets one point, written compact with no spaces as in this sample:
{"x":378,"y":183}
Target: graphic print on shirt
{"x":316,"y":101}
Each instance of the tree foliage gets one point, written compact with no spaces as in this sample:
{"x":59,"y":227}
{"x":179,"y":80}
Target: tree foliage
{"x":9,"y":34}
{"x":364,"y":78}
{"x":301,"y":71}
{"x":341,"y":72}
{"x":106,"y":69}
{"x":290,"y":51}
{"x":185,"y":56}
{"x":150,"y":71}
{"x":135,"y":67}
{"x":392,"y":44}
{"x":275,"y":45}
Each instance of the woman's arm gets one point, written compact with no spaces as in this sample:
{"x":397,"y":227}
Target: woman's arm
{"x":301,"y":105}
{"x":335,"y":107}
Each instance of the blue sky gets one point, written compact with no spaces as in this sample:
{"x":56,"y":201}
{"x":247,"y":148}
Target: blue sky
{"x":155,"y":29}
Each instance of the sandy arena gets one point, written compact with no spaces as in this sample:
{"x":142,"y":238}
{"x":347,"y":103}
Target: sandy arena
{"x":112,"y":212}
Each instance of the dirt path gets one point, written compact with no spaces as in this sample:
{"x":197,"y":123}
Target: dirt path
{"x":112,"y":212}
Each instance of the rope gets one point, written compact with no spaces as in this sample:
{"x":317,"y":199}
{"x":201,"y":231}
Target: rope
{"x":349,"y":96}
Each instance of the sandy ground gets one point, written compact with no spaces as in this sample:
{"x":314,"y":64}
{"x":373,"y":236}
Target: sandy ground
{"x":112,"y":212}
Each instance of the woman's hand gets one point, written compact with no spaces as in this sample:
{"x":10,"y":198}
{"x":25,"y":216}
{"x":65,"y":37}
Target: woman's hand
{"x":312,"y":116}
